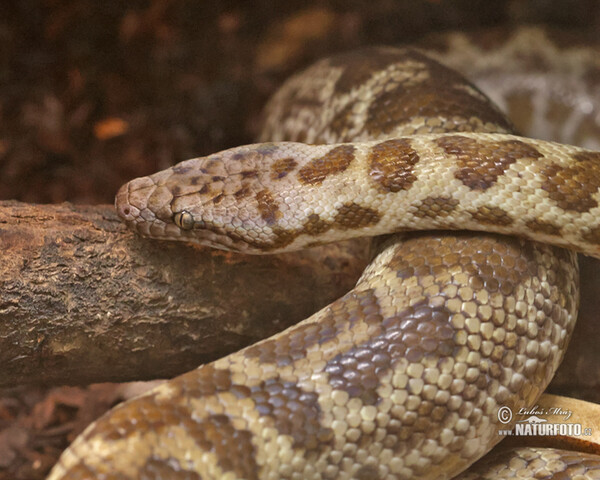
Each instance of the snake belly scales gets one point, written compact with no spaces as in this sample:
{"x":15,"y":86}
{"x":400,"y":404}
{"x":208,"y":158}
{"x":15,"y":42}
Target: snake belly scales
{"x":403,"y":376}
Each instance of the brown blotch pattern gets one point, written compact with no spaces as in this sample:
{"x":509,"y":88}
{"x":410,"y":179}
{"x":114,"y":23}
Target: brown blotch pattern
{"x":335,"y":161}
{"x":490,"y":259}
{"x":572,"y":187}
{"x":412,"y":334}
{"x":233,"y":448}
{"x":243,"y":192}
{"x":352,"y":215}
{"x":315,"y":225}
{"x":341,"y":315}
{"x":359,"y":66}
{"x":249,"y":174}
{"x":166,"y":468}
{"x":593,"y":236}
{"x":539,"y":226}
{"x":440,"y":94}
{"x":349,"y":216}
{"x":342,"y":122}
{"x":368,"y":472}
{"x":492,"y":216}
{"x":267,"y":206}
{"x":145,"y":414}
{"x":294,"y":412}
{"x":434,"y":207}
{"x":181,"y":169}
{"x":206,"y":380}
{"x":480,"y":164}
{"x":283,"y":238}
{"x":152,"y":414}
{"x":282,"y":167}
{"x":391,"y":164}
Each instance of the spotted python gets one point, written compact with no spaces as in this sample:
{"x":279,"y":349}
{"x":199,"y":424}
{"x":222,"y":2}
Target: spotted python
{"x":404,"y":376}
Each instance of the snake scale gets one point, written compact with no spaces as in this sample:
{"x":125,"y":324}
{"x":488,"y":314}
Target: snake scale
{"x":402,"y":377}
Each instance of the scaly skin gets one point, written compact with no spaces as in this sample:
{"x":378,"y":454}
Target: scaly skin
{"x":404,"y":376}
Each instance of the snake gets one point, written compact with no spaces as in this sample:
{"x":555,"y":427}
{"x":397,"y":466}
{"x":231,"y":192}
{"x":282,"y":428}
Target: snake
{"x":466,"y":307}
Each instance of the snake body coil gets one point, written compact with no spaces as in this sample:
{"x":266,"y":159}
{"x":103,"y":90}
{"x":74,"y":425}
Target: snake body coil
{"x":404,"y":376}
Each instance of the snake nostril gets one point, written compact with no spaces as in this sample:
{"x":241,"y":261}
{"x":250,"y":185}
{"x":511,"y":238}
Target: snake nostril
{"x":126,"y":211}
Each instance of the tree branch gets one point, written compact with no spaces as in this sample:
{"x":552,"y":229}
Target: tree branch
{"x":84,"y":300}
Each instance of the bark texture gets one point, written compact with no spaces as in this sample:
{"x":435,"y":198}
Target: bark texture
{"x":84,"y":300}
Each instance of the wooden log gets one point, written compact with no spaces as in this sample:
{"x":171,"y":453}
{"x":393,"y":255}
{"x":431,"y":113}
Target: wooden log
{"x":84,"y":300}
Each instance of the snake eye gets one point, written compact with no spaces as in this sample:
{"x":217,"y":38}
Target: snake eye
{"x":184,"y":220}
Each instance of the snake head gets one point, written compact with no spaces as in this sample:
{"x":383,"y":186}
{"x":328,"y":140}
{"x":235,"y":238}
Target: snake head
{"x":221,"y":201}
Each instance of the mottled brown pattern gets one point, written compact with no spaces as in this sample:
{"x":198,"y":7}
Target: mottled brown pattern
{"x":496,"y":263}
{"x":181,"y":169}
{"x":352,"y":215}
{"x":153,"y":415}
{"x":293,"y":411}
{"x":267,"y":206}
{"x":283,"y":238}
{"x":540,"y":226}
{"x":367,"y":472}
{"x":593,"y":235}
{"x":492,"y":216}
{"x":146,"y":414}
{"x":206,"y":380}
{"x":391,"y":164}
{"x":435,"y":207}
{"x":572,"y":187}
{"x":480,"y":165}
{"x":243,"y":192}
{"x":339,"y":317}
{"x":343,"y":121}
{"x":157,"y":468}
{"x":249,"y":174}
{"x":282,"y":167}
{"x":416,"y":332}
{"x":335,"y":161}
{"x":233,"y":447}
{"x":315,"y":225}
{"x":358,"y":66}
{"x":440,"y":93}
